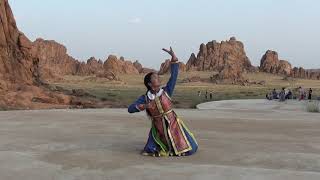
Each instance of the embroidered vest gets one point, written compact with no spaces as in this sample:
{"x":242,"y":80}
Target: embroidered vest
{"x":169,"y":128}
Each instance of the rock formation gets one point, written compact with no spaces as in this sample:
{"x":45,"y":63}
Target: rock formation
{"x":19,"y":70}
{"x":165,"y":67}
{"x":119,"y":66}
{"x":305,"y":74}
{"x":214,"y":56}
{"x":228,"y":58}
{"x":270,"y":63}
{"x":53,"y":59}
{"x":108,"y":75}
{"x":92,"y":67}
{"x":54,"y":62}
{"x":141,"y":69}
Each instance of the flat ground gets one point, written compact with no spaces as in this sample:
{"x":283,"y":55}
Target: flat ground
{"x":238,"y":140}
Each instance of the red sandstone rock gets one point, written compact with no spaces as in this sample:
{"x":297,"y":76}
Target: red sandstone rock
{"x":165,"y":67}
{"x":215,"y":56}
{"x":270,"y":63}
{"x":19,"y":70}
{"x":53,"y":59}
{"x":119,"y":66}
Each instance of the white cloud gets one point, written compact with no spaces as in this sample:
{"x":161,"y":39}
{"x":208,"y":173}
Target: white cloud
{"x":135,"y":20}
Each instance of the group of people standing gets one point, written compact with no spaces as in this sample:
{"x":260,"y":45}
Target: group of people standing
{"x":284,"y":94}
{"x":207,"y":94}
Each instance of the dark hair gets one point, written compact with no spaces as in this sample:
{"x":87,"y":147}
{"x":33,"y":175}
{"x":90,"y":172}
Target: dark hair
{"x":147,"y":80}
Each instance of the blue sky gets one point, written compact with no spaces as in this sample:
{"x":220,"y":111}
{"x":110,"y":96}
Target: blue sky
{"x":138,"y":29}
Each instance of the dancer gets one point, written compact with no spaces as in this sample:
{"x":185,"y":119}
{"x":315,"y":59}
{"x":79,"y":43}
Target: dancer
{"x":168,"y":136}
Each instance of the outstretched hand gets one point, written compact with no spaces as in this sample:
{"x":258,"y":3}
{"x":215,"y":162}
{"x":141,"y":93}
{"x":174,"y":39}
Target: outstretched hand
{"x":172,"y":54}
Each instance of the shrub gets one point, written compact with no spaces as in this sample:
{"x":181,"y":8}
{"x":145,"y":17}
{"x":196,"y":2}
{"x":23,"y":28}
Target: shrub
{"x":313,"y":106}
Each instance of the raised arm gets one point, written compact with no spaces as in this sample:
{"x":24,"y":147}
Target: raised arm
{"x":174,"y":72}
{"x":138,"y":105}
{"x":173,"y":78}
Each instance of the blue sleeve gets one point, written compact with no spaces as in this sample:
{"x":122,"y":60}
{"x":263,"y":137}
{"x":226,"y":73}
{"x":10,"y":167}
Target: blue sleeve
{"x":133,"y":107}
{"x":173,"y":78}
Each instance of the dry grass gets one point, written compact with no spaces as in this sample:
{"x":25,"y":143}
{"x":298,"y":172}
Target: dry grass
{"x":313,"y":106}
{"x":186,"y":94}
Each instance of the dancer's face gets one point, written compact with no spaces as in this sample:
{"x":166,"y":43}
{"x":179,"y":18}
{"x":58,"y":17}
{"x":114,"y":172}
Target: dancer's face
{"x":155,"y":81}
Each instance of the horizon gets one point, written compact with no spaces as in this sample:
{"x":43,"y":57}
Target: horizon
{"x":140,"y":29}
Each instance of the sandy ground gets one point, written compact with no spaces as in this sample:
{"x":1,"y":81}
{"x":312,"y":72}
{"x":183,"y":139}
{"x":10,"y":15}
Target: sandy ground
{"x":238,"y":140}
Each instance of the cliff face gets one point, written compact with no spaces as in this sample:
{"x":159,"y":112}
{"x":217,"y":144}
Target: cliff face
{"x":19,"y":69}
{"x":53,"y":59}
{"x":16,"y":63}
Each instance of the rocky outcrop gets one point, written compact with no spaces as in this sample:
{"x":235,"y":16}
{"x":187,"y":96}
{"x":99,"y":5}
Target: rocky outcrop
{"x":16,"y":63}
{"x":119,"y":66}
{"x":228,"y":58}
{"x":138,"y":66}
{"x":165,"y":67}
{"x":108,"y":75}
{"x":230,"y":74}
{"x":141,"y":69}
{"x":54,"y":62}
{"x":270,"y":63}
{"x":20,"y":85}
{"x":215,"y":56}
{"x":92,"y":67}
{"x":305,"y":74}
{"x":53,"y":59}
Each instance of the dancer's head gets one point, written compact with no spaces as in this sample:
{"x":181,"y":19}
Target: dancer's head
{"x":152,"y":81}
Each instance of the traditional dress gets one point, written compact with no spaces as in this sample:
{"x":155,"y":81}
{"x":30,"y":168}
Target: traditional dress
{"x":168,"y":134}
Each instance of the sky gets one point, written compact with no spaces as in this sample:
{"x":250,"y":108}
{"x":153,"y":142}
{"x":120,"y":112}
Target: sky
{"x":139,"y":29}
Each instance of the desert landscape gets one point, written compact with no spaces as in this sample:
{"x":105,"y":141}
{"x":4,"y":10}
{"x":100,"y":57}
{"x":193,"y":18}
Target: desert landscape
{"x":42,"y":75}
{"x":64,"y":118}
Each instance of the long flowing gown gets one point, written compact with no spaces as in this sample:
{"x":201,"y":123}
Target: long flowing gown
{"x":168,"y":134}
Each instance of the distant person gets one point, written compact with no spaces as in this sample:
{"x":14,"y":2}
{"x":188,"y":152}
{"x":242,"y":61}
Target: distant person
{"x":199,"y":93}
{"x":211,"y":95}
{"x":289,"y":94}
{"x":310,"y":94}
{"x":206,"y":94}
{"x":301,"y":93}
{"x":274,"y":94}
{"x":282,"y":95}
{"x":267,"y":96}
{"x":168,"y":136}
